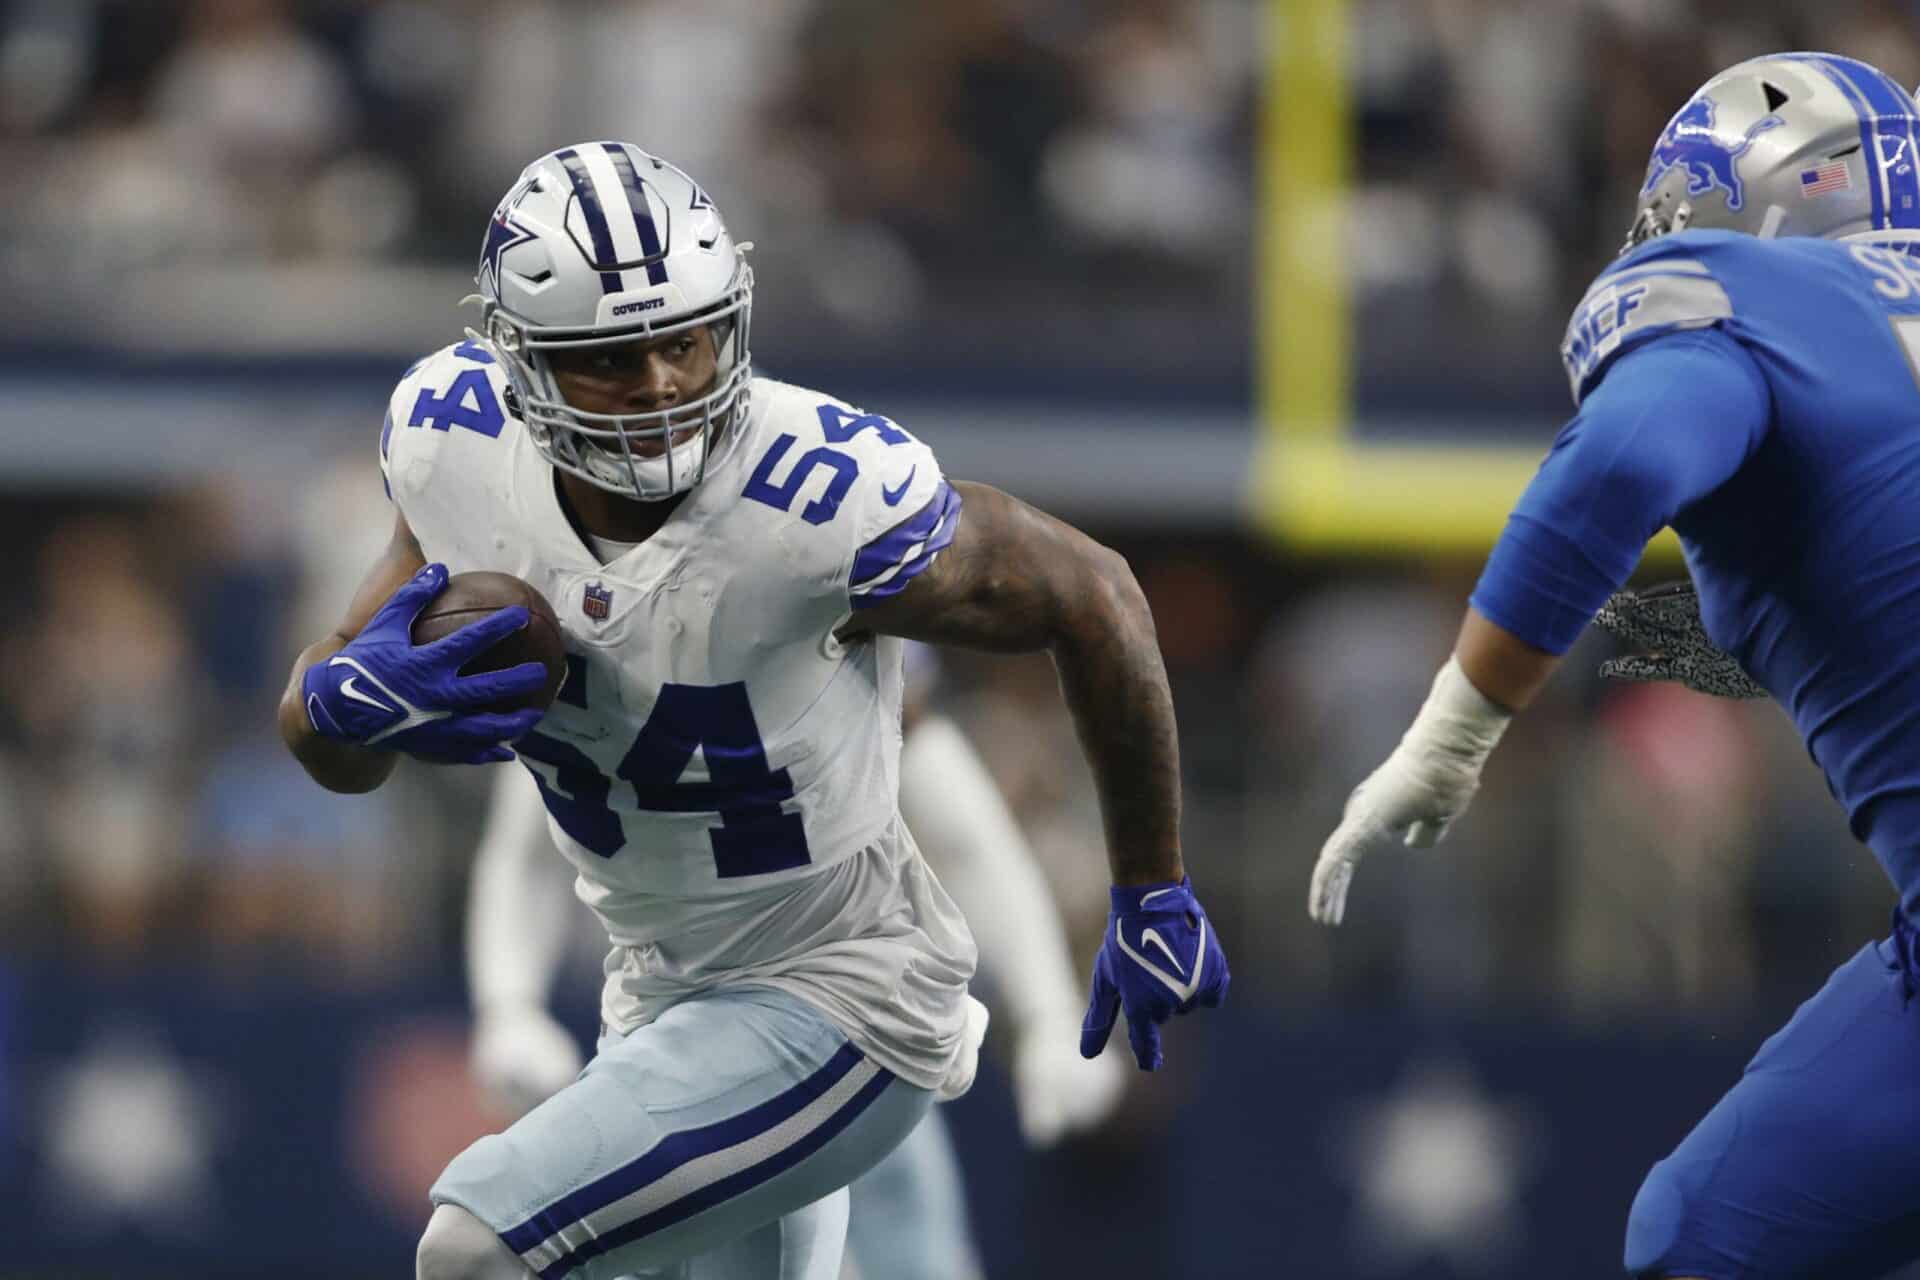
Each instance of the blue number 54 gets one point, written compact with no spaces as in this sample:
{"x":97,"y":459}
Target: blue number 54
{"x":839,"y":426}
{"x":756,"y":834}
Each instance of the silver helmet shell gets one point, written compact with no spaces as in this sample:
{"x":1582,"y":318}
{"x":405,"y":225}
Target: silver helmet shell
{"x":1791,"y":144}
{"x":602,"y":244}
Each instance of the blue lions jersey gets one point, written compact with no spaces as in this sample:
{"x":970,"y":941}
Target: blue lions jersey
{"x":1762,"y":397}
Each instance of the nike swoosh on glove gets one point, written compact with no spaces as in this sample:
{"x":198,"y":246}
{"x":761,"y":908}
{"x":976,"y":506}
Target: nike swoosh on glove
{"x":1160,"y":956}
{"x":382,"y":690}
{"x":1664,"y":622}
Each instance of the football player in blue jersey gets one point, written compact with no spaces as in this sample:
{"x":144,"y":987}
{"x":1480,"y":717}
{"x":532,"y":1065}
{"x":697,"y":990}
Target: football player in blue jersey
{"x":1745,"y":373}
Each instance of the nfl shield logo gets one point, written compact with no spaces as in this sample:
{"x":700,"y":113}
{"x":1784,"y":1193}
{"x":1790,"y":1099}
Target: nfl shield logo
{"x":598,"y":602}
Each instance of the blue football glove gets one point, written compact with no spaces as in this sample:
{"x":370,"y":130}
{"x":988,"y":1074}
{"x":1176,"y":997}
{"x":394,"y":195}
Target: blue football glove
{"x":383,"y":690}
{"x":1160,"y":956}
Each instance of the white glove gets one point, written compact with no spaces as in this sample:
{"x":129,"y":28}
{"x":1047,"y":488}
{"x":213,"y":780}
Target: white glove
{"x":1057,"y":1091}
{"x":1424,"y":785}
{"x":521,"y":1057}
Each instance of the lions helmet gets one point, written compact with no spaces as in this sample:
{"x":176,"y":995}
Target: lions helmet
{"x":1791,"y":144}
{"x":602,"y":244}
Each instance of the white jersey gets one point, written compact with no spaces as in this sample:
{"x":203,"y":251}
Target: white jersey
{"x":720,"y":769}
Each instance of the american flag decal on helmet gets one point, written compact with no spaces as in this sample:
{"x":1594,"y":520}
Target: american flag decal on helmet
{"x":598,"y":602}
{"x":1831,"y":176}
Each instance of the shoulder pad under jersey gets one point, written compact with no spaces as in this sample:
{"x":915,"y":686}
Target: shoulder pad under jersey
{"x":868,"y":495}
{"x":1664,"y":286}
{"x":451,"y":400}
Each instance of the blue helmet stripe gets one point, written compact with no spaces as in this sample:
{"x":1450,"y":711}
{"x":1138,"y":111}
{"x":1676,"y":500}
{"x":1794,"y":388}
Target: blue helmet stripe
{"x":642,"y":211}
{"x":1869,"y":146}
{"x":1887,"y":136}
{"x":1900,"y":150}
{"x":1893,"y":128}
{"x":596,"y":217}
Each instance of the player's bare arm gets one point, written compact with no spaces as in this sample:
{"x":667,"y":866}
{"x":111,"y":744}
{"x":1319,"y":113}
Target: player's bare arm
{"x":1501,"y":665}
{"x":336,"y":765}
{"x":1016,"y":580}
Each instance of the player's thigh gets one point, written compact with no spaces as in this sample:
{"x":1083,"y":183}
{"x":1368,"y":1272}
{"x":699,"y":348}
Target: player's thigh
{"x":728,"y":1112}
{"x":910,"y":1212}
{"x":1810,"y":1165}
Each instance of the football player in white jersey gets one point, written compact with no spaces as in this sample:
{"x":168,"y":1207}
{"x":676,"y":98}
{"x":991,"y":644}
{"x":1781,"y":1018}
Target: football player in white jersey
{"x":908,"y":1215}
{"x":733,"y":561}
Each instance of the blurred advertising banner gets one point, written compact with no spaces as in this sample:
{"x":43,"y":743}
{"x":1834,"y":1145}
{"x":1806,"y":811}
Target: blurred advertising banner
{"x":173,"y":1124}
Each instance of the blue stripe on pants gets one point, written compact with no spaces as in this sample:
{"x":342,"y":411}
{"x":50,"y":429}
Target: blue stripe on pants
{"x":727,"y":1111}
{"x":677,"y":1149}
{"x":726,"y":1188}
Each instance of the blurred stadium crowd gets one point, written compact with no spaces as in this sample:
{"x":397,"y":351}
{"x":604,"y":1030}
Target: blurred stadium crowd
{"x":1501,"y":145}
{"x":952,"y":174}
{"x":954,"y":182}
{"x":978,"y":167}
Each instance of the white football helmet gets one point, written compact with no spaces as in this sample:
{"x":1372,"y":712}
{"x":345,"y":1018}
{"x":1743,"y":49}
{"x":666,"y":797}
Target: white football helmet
{"x":601,"y":244}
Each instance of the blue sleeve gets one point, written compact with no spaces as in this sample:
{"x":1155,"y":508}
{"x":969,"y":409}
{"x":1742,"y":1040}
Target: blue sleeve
{"x":1670,"y":422}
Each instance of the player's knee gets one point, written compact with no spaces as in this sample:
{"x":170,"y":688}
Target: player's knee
{"x":458,"y":1246}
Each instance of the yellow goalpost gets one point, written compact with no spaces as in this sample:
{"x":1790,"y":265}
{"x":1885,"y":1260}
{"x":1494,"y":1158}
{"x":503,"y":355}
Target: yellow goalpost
{"x":1314,"y":487}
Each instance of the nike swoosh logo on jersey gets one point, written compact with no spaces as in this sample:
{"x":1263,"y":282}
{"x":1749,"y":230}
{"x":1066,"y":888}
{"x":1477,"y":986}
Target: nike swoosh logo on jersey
{"x":892,"y":496}
{"x":1145,"y":898}
{"x":1183,"y":991}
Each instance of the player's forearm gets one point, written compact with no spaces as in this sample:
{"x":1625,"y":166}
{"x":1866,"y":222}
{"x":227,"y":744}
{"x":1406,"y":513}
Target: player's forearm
{"x":1115,"y":685}
{"x":1503,"y":667}
{"x":519,"y":906}
{"x":337,"y":766}
{"x":1016,"y":580}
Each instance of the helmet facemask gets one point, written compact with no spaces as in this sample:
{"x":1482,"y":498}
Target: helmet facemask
{"x":1652,"y":222}
{"x":611,"y":451}
{"x":602,"y":245}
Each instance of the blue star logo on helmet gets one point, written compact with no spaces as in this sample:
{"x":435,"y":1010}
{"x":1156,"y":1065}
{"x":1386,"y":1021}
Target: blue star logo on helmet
{"x":1691,"y":143}
{"x":503,"y":233}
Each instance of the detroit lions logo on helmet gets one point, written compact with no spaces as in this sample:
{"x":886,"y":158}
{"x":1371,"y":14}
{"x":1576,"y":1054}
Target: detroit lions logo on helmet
{"x":1708,"y":160}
